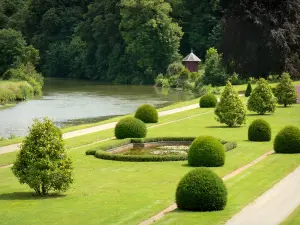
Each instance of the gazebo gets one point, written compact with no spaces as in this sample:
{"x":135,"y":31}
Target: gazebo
{"x":191,"y":62}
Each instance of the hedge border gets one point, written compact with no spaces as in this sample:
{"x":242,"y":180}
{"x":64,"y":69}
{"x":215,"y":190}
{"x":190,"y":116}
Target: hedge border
{"x":102,"y":152}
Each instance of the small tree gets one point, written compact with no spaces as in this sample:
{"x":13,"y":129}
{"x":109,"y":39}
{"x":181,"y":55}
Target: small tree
{"x":285,"y":91}
{"x":230,"y":110}
{"x":262,"y":99}
{"x":214,"y":71}
{"x":248,"y":90}
{"x":42,"y":162}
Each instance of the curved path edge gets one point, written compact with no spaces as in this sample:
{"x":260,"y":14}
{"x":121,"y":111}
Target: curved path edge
{"x":234,"y":173}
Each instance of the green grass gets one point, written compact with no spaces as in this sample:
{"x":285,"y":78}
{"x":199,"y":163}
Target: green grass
{"x":293,"y":219}
{"x":241,"y":191}
{"x":109,"y":192}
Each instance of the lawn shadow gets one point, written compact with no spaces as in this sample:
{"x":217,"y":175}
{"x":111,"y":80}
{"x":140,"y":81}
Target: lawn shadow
{"x":223,"y":127}
{"x":260,"y":114}
{"x":186,"y":165}
{"x":28,"y":196}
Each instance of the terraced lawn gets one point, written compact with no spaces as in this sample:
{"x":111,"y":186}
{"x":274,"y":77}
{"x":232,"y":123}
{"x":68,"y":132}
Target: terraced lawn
{"x":108,"y":192}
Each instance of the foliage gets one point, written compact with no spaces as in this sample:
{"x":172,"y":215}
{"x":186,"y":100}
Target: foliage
{"x":230,"y":110}
{"x":15,"y":91}
{"x":42,"y":162}
{"x":208,"y":101}
{"x":201,"y":190}
{"x":12,"y":49}
{"x":259,"y":130}
{"x":130,"y":127}
{"x":147,"y":114}
{"x":214,"y":71}
{"x":206,"y":151}
{"x":288,"y":140}
{"x":262,"y":99}
{"x":26,"y":73}
{"x":200,"y":21}
{"x":259,"y":37}
{"x":248,"y":90}
{"x":285,"y":91}
{"x":150,"y":35}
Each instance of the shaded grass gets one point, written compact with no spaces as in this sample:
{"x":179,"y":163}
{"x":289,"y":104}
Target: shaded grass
{"x":293,"y":219}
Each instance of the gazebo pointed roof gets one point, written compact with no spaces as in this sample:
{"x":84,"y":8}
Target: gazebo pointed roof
{"x":191,"y":58}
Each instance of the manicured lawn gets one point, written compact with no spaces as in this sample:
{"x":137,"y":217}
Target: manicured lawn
{"x":294,"y":218}
{"x":108,"y":192}
{"x":242,"y":189}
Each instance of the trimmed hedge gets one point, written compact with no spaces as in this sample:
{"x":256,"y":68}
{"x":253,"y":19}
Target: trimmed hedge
{"x":208,"y":101}
{"x":288,"y":140}
{"x":206,"y":151}
{"x":259,"y":131}
{"x":130,"y":127}
{"x":147,"y":114}
{"x":103,"y":154}
{"x":201,"y":190}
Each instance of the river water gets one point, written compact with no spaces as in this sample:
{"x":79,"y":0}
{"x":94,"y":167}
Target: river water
{"x":72,"y":102}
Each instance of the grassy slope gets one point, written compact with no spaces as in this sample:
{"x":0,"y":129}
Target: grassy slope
{"x":107,"y":192}
{"x":294,"y":218}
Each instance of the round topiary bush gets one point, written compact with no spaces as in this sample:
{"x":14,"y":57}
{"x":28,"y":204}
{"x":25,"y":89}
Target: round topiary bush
{"x":206,"y":151}
{"x":147,"y":114}
{"x":201,"y":190}
{"x":259,"y":130}
{"x":208,"y":101}
{"x":288,"y":140}
{"x":130,"y":127}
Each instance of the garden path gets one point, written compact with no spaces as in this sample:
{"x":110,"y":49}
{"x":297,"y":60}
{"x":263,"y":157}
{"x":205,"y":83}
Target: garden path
{"x":298,"y":90}
{"x":15,"y":147}
{"x":274,"y":206}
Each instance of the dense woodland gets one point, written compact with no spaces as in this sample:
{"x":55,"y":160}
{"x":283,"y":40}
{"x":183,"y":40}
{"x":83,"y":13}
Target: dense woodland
{"x":133,"y":41}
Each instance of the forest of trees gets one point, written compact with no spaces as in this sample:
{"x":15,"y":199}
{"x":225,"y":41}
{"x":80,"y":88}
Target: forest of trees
{"x":133,"y":41}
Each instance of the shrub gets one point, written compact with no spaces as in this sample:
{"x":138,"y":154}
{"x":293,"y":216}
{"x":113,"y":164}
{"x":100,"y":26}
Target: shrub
{"x":201,"y":190}
{"x":147,"y":114}
{"x":262,"y":99}
{"x":285,"y":91}
{"x":42,"y":162}
{"x":259,"y":130}
{"x":130,"y":127}
{"x":206,"y":151}
{"x":248,"y":90}
{"x":214,"y":71}
{"x":288,"y":140}
{"x":230,"y":110}
{"x":208,"y":101}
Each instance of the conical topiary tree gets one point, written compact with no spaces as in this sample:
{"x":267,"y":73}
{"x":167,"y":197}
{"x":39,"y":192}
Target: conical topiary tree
{"x":285,"y":91}
{"x":262,"y":99}
{"x":230,"y":110}
{"x":42,"y":162}
{"x":248,"y":90}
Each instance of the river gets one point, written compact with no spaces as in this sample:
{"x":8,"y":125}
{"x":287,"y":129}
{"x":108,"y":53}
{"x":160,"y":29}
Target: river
{"x":73,"y":102}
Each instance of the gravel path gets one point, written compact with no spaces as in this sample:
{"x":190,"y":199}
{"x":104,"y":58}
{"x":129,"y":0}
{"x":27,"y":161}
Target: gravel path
{"x":15,"y":147}
{"x":298,"y":90}
{"x":274,"y":206}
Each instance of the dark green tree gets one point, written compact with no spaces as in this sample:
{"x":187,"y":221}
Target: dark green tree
{"x":248,"y":90}
{"x":151,"y":38}
{"x":214,"y":71}
{"x":14,"y":50}
{"x":261,"y":37}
